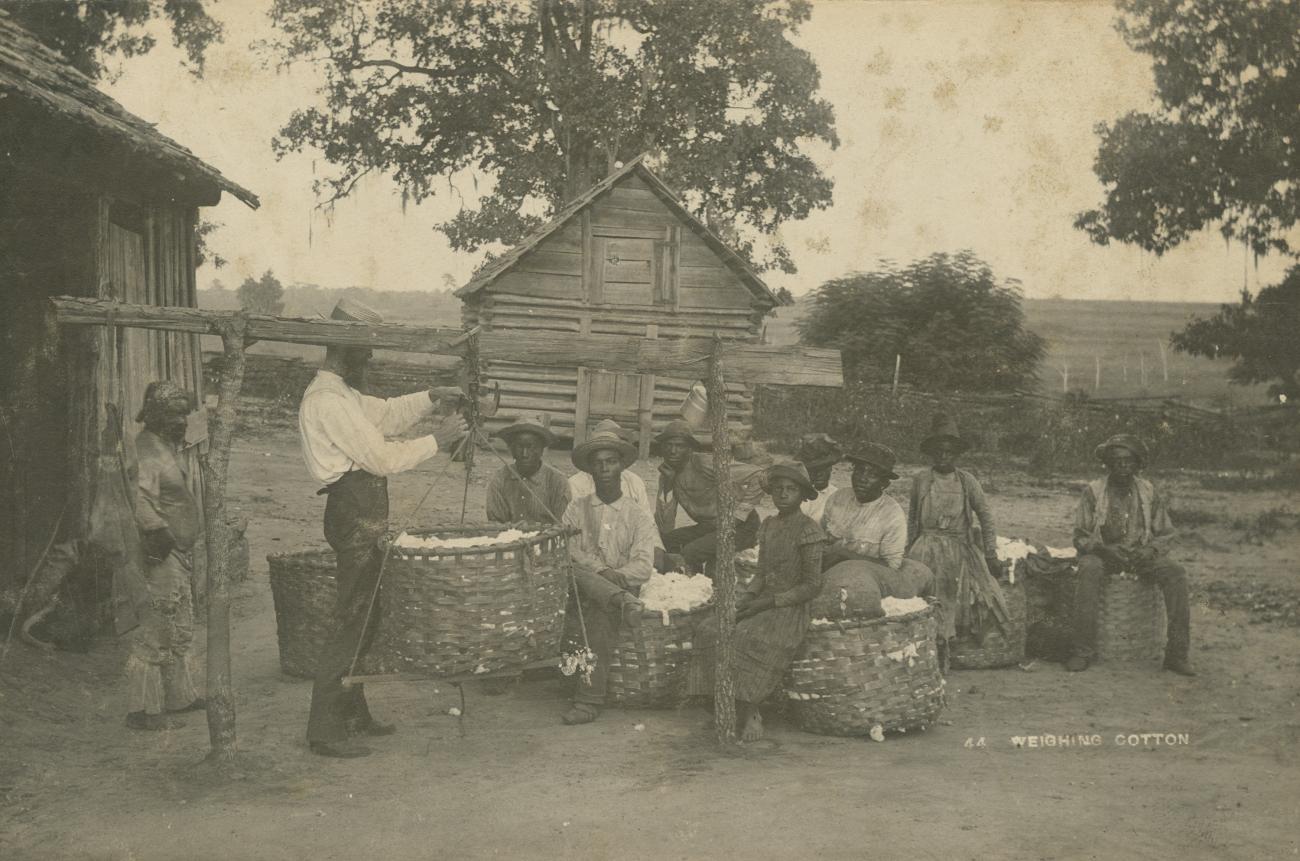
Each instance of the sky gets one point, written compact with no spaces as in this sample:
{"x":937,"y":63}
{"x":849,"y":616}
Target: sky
{"x":962,"y":124}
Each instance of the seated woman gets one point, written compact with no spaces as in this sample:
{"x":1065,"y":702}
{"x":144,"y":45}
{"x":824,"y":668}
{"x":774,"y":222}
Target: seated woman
{"x":951,"y":530}
{"x":864,"y":523}
{"x":772,"y":613}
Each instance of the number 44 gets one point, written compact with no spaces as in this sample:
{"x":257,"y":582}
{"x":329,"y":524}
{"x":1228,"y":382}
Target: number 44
{"x":972,"y":743}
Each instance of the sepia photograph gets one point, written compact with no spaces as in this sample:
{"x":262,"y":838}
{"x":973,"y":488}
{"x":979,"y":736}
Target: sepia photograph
{"x":664,"y":429}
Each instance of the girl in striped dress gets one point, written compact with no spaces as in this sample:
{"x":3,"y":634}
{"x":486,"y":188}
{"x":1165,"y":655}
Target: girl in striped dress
{"x":772,"y":613}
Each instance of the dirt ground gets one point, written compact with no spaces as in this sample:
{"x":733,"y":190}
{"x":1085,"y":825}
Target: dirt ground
{"x":509,"y":781}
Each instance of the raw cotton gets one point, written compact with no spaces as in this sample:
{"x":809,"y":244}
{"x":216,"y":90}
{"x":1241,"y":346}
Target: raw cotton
{"x":1014,"y":549}
{"x":902,"y":606}
{"x":410,"y":542}
{"x":1062,"y":552}
{"x":675,"y":591}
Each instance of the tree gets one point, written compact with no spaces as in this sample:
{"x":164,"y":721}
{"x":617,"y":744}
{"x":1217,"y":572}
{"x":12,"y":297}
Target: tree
{"x":953,"y":323}
{"x":87,"y":32}
{"x":263,"y":296}
{"x":1259,"y":333}
{"x":545,"y":98}
{"x":785,"y":297}
{"x":1223,"y":147}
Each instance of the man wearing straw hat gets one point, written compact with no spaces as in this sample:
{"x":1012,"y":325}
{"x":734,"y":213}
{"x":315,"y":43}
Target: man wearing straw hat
{"x":687,"y":479}
{"x":343,"y":433}
{"x":613,"y":555}
{"x":528,"y":491}
{"x":1121,"y":524}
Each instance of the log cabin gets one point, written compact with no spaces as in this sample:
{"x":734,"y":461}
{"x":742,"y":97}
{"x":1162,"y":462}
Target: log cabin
{"x":626,"y":258}
{"x":94,"y":201}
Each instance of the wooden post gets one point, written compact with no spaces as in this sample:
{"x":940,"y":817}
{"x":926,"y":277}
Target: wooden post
{"x":898,"y":366}
{"x":215,"y":465}
{"x":1142,"y":368}
{"x":724,"y":575}
{"x":473,"y":374}
{"x":1096,"y":379}
{"x":1065,"y":377}
{"x":1164,"y":359}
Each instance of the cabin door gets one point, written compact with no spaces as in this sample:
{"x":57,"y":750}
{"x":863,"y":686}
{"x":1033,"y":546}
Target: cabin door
{"x":626,"y":398}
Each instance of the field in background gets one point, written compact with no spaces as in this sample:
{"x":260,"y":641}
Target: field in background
{"x":1124,"y":338}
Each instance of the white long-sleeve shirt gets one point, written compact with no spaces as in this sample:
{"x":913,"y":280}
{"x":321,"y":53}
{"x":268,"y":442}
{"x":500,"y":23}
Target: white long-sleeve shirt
{"x":342,"y":430}
{"x":876,"y":529}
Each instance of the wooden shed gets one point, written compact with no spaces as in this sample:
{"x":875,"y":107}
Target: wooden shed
{"x":626,"y":258}
{"x":96,"y":203}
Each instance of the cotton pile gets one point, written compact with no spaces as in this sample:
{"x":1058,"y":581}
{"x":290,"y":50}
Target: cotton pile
{"x":1014,"y":549}
{"x":410,"y":542}
{"x":1062,"y":552}
{"x":675,"y":591}
{"x":902,"y":606}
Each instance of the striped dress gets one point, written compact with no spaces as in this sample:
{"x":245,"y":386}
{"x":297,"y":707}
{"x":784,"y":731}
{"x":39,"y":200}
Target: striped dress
{"x":789,"y":569}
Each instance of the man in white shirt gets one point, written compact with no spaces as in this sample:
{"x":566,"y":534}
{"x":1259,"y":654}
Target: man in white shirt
{"x":343,"y":442}
{"x":864,"y":523}
{"x":582,"y":485}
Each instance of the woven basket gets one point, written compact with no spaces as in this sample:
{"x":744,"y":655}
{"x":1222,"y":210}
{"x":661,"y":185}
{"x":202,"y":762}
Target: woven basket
{"x":855,"y":675}
{"x":304,"y":592}
{"x":1130,"y":620}
{"x":484,"y":609}
{"x":1000,"y":647}
{"x":649,"y":662}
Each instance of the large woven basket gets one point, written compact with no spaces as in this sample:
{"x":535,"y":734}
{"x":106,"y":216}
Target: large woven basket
{"x":304,"y":592}
{"x":1000,"y":646}
{"x":649,"y":662}
{"x":1130,"y":620}
{"x":851,"y":676}
{"x":485,"y":609}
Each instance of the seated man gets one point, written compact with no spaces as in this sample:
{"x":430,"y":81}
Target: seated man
{"x":529,"y":491}
{"x":580,"y":485}
{"x":613,"y":556}
{"x":1121,"y":524}
{"x":687,"y":478}
{"x":863,"y":522}
{"x":819,"y":453}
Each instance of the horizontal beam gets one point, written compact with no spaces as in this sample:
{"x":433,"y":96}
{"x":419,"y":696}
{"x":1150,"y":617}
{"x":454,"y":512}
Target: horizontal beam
{"x":73,"y":310}
{"x":678,"y":357}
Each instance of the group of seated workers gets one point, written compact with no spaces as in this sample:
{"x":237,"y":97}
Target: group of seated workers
{"x":942,"y":547}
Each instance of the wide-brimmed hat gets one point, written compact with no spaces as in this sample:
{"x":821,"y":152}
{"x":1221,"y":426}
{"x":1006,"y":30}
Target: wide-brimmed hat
{"x":1126,"y":441}
{"x":353,"y":311}
{"x":819,"y":450}
{"x":794,"y":471}
{"x":606,"y":434}
{"x":943,"y":428}
{"x":527,"y":424}
{"x":677,"y":428}
{"x":879,"y":456}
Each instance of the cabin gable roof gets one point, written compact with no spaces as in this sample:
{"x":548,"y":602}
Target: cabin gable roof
{"x":493,"y":270}
{"x":38,"y":75}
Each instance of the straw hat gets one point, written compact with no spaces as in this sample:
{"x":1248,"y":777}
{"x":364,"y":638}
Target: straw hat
{"x":528,"y":424}
{"x":879,"y":456}
{"x":943,"y":428}
{"x":352,"y":311}
{"x":794,"y":471}
{"x":606,"y":434}
{"x":677,"y":428}
{"x":1126,"y":441}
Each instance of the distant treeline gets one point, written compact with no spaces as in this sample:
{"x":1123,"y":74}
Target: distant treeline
{"x":430,"y":307}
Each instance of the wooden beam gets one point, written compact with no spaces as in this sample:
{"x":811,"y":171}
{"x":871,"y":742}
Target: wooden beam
{"x":73,"y":310}
{"x":682,"y":357}
{"x":724,"y":562}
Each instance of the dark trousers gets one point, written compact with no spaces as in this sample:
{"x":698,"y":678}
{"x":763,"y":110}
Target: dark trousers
{"x":356,"y":516}
{"x":602,"y":615}
{"x":1169,"y":576}
{"x":698,"y":543}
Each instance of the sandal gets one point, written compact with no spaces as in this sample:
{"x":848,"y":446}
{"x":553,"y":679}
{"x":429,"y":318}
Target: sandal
{"x":580,"y":713}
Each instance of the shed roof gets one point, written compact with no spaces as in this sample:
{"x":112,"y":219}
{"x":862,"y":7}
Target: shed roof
{"x":734,"y":261}
{"x":40,"y":75}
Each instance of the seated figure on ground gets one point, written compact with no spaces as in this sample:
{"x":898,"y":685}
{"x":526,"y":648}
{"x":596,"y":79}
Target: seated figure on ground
{"x":613,"y":554}
{"x":580,"y":485}
{"x":1122,"y":524}
{"x":687,"y":479}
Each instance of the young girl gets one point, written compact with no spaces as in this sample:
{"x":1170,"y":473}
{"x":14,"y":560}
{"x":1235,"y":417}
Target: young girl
{"x":946,"y":502}
{"x":772,"y":612}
